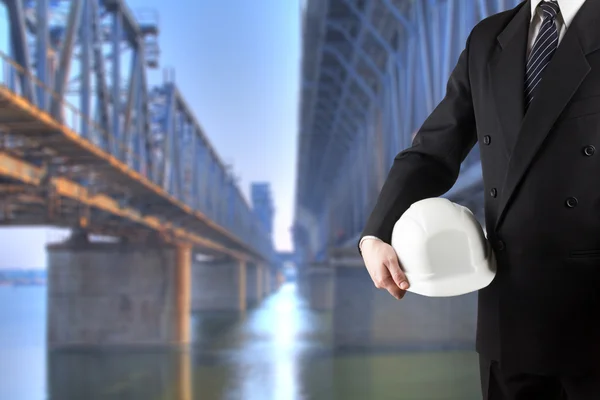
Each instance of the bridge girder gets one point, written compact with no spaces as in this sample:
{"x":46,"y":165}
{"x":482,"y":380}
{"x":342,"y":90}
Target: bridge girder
{"x":84,"y":64}
{"x":372,"y":73}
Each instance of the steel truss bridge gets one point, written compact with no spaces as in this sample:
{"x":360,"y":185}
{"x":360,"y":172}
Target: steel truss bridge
{"x":86,"y":143}
{"x":372,"y":71}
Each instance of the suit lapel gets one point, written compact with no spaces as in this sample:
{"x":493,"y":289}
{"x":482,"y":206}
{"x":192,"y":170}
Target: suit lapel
{"x":561,"y":79}
{"x":507,"y":74}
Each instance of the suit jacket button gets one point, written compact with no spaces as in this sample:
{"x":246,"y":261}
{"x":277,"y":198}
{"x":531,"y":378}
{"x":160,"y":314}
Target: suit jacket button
{"x":500,"y":245}
{"x":589,"y":150}
{"x":571,"y":202}
{"x":487,"y":139}
{"x":494,"y":192}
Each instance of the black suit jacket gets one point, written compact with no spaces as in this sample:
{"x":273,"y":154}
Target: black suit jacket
{"x":541,"y":172}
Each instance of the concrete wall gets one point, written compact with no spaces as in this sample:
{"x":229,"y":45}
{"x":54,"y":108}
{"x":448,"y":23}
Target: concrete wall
{"x":269,"y":281}
{"x":352,"y":306}
{"x":112,"y":294}
{"x":266,"y":281}
{"x":252,"y":286}
{"x":424,"y":322}
{"x":320,"y":288}
{"x":303,"y":283}
{"x":367,"y":317}
{"x":219,"y":286}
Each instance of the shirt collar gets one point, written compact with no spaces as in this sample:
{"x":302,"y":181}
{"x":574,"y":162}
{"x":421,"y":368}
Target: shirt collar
{"x":568,"y":9}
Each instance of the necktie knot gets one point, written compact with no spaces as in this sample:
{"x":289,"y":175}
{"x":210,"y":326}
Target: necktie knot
{"x":543,"y":49}
{"x":550,"y":9}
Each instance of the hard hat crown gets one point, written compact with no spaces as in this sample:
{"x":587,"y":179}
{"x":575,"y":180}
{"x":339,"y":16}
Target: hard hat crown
{"x":443,"y":249}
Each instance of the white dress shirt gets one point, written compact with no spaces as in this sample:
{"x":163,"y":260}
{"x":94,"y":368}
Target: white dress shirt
{"x":568,"y":10}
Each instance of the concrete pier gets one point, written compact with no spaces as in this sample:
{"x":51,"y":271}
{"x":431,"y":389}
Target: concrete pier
{"x":268,"y":281}
{"x":316,"y":285}
{"x":261,"y":282}
{"x":352,"y":308}
{"x":106,"y":294}
{"x":254,"y":284}
{"x":366,"y":317}
{"x":220,"y":285}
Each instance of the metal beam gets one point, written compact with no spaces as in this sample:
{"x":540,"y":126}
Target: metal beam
{"x":374,"y":32}
{"x":19,"y":46}
{"x":32,"y":175}
{"x":351,"y":71}
{"x":408,"y":26}
{"x":424,"y":47}
{"x":349,"y":66}
{"x":42,"y":48}
{"x":103,"y":97}
{"x":64,"y":65}
{"x":86,"y":66}
{"x":357,"y":48}
{"x":132,"y":93}
{"x":116,"y":81}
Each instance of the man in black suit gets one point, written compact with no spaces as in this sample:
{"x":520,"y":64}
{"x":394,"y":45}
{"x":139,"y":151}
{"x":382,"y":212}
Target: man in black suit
{"x":526,"y":89}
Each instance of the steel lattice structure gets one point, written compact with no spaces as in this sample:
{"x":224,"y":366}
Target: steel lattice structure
{"x":372,"y":71}
{"x":90,"y":116}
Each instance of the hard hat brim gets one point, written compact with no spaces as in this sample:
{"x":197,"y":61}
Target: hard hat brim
{"x":457,"y":285}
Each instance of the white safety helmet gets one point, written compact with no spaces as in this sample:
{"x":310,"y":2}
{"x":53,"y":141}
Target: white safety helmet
{"x":442,"y":249}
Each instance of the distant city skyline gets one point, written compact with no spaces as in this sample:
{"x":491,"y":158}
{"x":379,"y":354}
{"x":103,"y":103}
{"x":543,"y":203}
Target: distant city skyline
{"x":239,"y":71}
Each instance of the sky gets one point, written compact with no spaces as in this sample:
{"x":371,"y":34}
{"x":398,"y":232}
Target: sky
{"x":237,"y":63}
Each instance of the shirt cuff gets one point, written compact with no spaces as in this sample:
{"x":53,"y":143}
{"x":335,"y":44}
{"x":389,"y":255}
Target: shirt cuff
{"x":367,"y":238}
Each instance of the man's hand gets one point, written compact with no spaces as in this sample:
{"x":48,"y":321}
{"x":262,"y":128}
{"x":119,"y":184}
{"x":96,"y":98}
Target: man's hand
{"x":383,"y":266}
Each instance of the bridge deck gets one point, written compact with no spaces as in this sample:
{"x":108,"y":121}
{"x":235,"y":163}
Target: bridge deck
{"x":36,"y":134}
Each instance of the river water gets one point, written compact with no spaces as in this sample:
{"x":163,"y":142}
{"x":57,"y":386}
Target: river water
{"x":277,"y":351}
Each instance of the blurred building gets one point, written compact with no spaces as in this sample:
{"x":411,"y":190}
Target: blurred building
{"x":262,"y":203}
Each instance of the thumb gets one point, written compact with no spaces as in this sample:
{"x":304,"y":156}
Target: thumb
{"x":396,"y":272}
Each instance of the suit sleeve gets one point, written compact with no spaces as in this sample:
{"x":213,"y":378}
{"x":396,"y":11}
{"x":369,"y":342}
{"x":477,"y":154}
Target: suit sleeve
{"x":430,"y":167}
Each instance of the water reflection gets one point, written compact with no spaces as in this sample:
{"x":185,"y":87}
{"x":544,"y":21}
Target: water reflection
{"x":281,"y":350}
{"x":262,"y":352}
{"x":22,"y":343}
{"x":258,"y":355}
{"x":123,"y":375}
{"x":274,"y":342}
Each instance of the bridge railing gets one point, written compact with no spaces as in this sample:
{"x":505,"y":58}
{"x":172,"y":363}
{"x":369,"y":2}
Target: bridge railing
{"x":231,"y":213}
{"x":23,"y":83}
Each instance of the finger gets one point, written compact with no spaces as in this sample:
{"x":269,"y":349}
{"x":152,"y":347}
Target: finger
{"x":380,"y":276}
{"x":383,"y":280}
{"x":377,"y":269}
{"x":396,"y":272}
{"x":394,"y":290}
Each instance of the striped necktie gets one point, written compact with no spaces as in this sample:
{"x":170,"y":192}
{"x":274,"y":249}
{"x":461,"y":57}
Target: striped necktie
{"x":543,"y":49}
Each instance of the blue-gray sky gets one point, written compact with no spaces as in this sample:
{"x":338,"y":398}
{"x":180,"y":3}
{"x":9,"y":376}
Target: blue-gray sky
{"x":237,"y":64}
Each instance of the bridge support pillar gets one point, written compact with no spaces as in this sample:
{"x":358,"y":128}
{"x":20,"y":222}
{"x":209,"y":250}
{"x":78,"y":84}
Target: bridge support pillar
{"x":273,"y":280}
{"x":319,"y":286}
{"x":368,"y":318}
{"x":352,"y":305}
{"x":267,"y":280}
{"x":220,"y":285}
{"x":106,"y":294}
{"x":255,"y":283}
{"x":279,"y":279}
